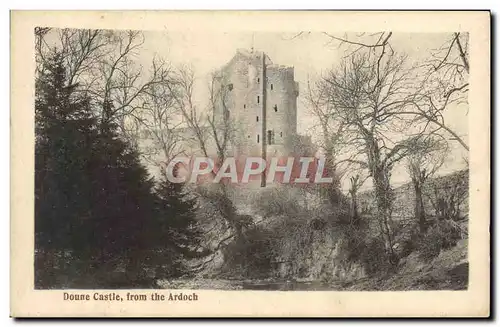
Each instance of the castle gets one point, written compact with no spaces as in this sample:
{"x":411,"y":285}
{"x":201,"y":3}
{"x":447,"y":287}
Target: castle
{"x":261,"y":102}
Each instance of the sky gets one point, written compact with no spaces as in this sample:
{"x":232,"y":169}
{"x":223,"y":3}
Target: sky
{"x":310,"y":54}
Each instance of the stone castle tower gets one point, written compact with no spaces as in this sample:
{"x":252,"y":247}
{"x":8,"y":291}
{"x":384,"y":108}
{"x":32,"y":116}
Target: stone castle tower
{"x":261,"y":102}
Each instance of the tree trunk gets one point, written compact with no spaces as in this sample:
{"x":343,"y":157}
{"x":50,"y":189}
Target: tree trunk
{"x":419,"y":207}
{"x":354,"y":208}
{"x":383,"y":196}
{"x":333,"y":190}
{"x":228,"y":211}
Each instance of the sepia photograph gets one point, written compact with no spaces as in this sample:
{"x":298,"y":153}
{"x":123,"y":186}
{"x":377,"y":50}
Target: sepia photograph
{"x":177,"y":161}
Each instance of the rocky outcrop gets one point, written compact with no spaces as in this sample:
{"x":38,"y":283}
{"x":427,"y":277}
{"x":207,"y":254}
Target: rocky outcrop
{"x":321,"y":257}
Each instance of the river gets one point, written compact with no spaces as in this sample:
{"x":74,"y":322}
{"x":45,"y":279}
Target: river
{"x":256,"y":285}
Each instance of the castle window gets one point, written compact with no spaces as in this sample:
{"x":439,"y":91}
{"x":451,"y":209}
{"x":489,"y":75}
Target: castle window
{"x":281,"y":134}
{"x":257,"y":118}
{"x":244,"y":106}
{"x":275,"y":108}
{"x":271,"y":87}
{"x":258,"y":138}
{"x":270,"y":137}
{"x":230,"y":87}
{"x":258,"y":99}
{"x":248,"y":136}
{"x":258,"y":80}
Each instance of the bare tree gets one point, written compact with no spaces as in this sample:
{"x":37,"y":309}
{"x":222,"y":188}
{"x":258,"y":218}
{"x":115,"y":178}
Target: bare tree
{"x":375,"y":44}
{"x":443,"y":76}
{"x":222,"y":125}
{"x":451,"y":63}
{"x":356,"y":182}
{"x":157,"y":123}
{"x":353,"y":191}
{"x":450,"y":60}
{"x":122,"y":82}
{"x":331,"y":133}
{"x":367,"y":92}
{"x":41,"y":47}
{"x":101,"y":63}
{"x":444,"y":84}
{"x":213,"y":130}
{"x":448,"y":196}
{"x":81,"y":49}
{"x":428,"y":155}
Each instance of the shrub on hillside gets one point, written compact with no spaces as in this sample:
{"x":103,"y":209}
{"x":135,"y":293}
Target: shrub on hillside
{"x":442,"y":235}
{"x":410,"y":241}
{"x":249,"y":256}
{"x":374,"y":257}
{"x":360,"y":246}
{"x":278,"y":201}
{"x":448,"y":195}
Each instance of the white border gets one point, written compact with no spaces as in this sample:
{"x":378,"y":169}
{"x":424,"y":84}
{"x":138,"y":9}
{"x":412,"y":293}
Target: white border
{"x":148,"y":4}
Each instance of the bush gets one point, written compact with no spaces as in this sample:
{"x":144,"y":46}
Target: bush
{"x":374,"y":258}
{"x":442,"y":235}
{"x":448,"y":195}
{"x":249,"y":256}
{"x":369,"y":251}
{"x":355,"y":242}
{"x":278,"y":201}
{"x":410,"y":242}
